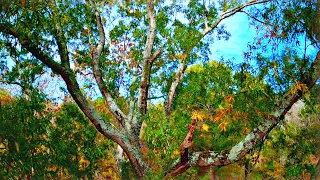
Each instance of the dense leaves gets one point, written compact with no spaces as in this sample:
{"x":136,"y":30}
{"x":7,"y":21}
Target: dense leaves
{"x":40,"y":144}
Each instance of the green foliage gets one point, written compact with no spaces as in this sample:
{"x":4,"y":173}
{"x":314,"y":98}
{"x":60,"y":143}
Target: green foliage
{"x":23,"y":136}
{"x":40,"y":144}
{"x":74,"y":143}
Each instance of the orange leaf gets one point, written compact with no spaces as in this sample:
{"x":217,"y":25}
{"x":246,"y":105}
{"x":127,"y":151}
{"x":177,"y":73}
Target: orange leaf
{"x":223,"y":126}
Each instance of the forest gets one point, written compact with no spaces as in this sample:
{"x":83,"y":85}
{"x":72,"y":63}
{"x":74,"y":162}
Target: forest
{"x":129,"y":89}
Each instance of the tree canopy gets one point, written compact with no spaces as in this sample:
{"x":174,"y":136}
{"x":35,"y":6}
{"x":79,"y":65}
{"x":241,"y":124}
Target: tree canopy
{"x":141,"y":73}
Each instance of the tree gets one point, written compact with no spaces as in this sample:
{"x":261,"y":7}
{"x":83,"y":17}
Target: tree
{"x":133,"y":48}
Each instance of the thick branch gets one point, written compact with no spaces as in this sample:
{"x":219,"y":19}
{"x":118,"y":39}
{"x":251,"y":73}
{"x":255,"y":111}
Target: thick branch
{"x":182,"y":165}
{"x":69,"y":78}
{"x":187,"y":142}
{"x":147,"y":54}
{"x":238,"y":151}
{"x":96,"y":53}
{"x":34,"y":50}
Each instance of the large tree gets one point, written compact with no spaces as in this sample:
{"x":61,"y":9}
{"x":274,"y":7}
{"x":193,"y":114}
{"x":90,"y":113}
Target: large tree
{"x":140,"y":51}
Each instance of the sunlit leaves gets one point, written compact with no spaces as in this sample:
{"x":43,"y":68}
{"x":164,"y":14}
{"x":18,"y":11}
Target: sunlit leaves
{"x":200,"y":116}
{"x":299,"y":87}
{"x":205,"y":127}
{"x":5,"y":97}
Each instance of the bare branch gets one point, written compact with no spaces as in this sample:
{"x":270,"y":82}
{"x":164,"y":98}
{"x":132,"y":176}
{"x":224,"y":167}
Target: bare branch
{"x":156,"y":54}
{"x":12,"y":82}
{"x":256,"y":19}
{"x":156,"y":97}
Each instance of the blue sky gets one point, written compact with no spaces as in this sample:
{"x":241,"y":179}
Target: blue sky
{"x":241,"y":33}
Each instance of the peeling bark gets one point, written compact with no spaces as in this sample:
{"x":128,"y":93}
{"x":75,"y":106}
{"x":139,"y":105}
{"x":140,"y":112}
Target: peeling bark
{"x":183,"y":165}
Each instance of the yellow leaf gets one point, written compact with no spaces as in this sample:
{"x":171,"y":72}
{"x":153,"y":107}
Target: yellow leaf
{"x":83,"y":163}
{"x":205,"y":127}
{"x":298,"y":86}
{"x":176,"y":152}
{"x":198,"y":115}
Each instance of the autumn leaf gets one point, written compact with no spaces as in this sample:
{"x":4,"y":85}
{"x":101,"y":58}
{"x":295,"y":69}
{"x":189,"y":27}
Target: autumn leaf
{"x":223,"y":125}
{"x":299,"y":87}
{"x":229,"y":99}
{"x":220,"y":115}
{"x":205,"y":127}
{"x":198,"y":115}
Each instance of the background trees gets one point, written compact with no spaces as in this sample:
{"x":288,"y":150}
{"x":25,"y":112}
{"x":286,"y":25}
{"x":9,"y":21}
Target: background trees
{"x":127,"y":53}
{"x":39,"y":142}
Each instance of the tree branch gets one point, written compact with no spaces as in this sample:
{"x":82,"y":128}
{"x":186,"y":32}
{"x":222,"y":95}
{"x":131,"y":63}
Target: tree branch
{"x":95,"y":55}
{"x":35,"y":51}
{"x":67,"y":75}
{"x":183,"y":65}
{"x":173,"y":87}
{"x":61,"y":40}
{"x":256,"y":19}
{"x":231,"y":12}
{"x":238,"y":151}
{"x":148,"y":58}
